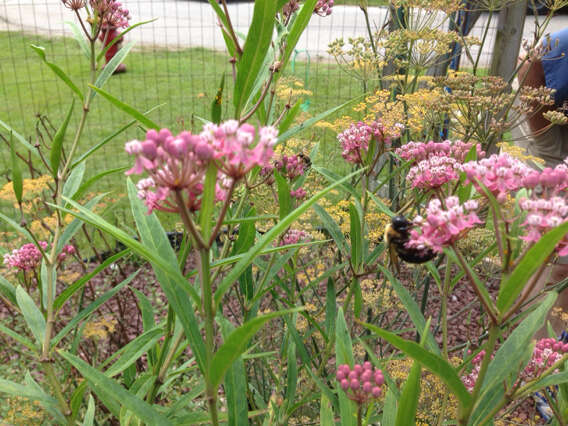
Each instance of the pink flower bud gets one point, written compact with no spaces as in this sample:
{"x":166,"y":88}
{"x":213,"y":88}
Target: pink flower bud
{"x":345,"y":384}
{"x":354,"y":384}
{"x":367,"y":387}
{"x":376,"y":391}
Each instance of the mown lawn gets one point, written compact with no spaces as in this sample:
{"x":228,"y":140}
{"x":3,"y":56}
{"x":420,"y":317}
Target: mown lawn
{"x":183,"y":82}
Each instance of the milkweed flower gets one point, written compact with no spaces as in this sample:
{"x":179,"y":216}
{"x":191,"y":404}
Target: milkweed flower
{"x":433,"y":172}
{"x":293,"y":236}
{"x":356,"y":139}
{"x":177,"y":164}
{"x":545,"y":354}
{"x":323,"y":7}
{"x":443,"y":226}
{"x":420,"y":151}
{"x":549,"y":181}
{"x":542,"y":216}
{"x":26,"y":258}
{"x":500,"y":174}
{"x":361,"y":383}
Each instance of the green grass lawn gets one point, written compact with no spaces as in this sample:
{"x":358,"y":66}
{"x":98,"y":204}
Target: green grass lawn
{"x":184,"y":81}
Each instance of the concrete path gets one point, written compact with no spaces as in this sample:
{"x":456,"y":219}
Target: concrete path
{"x":183,"y":23}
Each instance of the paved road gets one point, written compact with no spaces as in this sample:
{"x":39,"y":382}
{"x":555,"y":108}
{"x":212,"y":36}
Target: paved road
{"x":183,"y":23}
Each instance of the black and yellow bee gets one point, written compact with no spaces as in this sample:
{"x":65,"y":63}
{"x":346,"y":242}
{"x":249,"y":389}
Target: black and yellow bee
{"x":397,"y":234}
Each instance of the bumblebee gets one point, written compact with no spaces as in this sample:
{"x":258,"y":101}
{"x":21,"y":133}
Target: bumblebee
{"x":306,"y":160}
{"x":397,"y":234}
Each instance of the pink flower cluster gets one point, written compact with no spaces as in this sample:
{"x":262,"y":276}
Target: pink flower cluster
{"x":26,"y":258}
{"x":323,"y":7}
{"x":177,"y":164}
{"x":546,"y":353}
{"x":549,"y":181}
{"x":435,"y":163}
{"x":355,"y":140}
{"x":500,"y":174}
{"x":291,"y":166}
{"x":443,"y":226}
{"x":361,"y":383}
{"x":433,"y":172}
{"x":111,"y":12}
{"x":419,"y":151}
{"x":68,"y":250}
{"x":299,"y":193}
{"x":293,"y":236}
{"x":542,"y":216}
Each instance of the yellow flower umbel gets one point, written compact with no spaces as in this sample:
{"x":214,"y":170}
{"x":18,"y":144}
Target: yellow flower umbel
{"x":32,"y":191}
{"x":99,"y":329}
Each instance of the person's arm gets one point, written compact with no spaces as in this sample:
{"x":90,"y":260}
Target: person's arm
{"x":531,"y":74}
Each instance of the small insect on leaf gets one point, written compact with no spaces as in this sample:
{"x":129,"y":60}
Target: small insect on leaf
{"x":216,"y":107}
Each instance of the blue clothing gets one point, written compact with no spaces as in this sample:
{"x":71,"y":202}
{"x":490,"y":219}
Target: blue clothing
{"x":555,"y":66}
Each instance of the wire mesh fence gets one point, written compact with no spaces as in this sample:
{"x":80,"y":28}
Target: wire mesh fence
{"x":177,"y":63}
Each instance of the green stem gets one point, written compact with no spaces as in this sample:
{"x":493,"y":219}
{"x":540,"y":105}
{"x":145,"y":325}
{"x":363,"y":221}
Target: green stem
{"x":54,"y":382}
{"x":444,"y":308}
{"x":209,"y":313}
{"x":489,"y":349}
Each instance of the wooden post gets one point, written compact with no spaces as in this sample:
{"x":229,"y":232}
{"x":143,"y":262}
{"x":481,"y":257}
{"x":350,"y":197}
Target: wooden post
{"x":508,"y":40}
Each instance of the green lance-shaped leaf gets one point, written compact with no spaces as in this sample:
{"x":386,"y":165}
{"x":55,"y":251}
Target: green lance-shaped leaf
{"x":173,"y":283}
{"x":256,"y":45}
{"x":408,"y":403}
{"x":74,"y":180}
{"x":133,"y":112}
{"x":283,"y":137}
{"x":33,"y":393}
{"x":344,"y":355}
{"x":507,"y":358}
{"x":17,"y":182}
{"x":57,"y":144}
{"x":20,"y":139}
{"x":284,"y":197}
{"x":289,"y":117}
{"x":57,"y":71}
{"x":89,"y":419}
{"x":512,"y":285}
{"x":235,"y":385}
{"x":236,"y":343}
{"x":356,"y":237}
{"x":217,"y":105}
{"x":32,"y":315}
{"x":93,"y":306}
{"x":332,"y":227}
{"x":128,"y":354}
{"x":437,"y":365}
{"x":326,"y":412}
{"x":270,"y":236}
{"x":111,"y":67}
{"x":298,"y":26}
{"x":80,"y":283}
{"x":102,"y":385}
{"x":412,"y":308}
{"x":208,"y":201}
{"x":292,"y":379}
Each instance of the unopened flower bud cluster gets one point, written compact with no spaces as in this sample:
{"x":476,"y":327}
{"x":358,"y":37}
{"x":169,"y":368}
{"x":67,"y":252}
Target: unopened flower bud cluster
{"x":362,"y":382}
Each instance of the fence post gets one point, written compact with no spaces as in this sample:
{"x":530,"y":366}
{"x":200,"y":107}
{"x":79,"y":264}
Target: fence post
{"x":508,"y":40}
